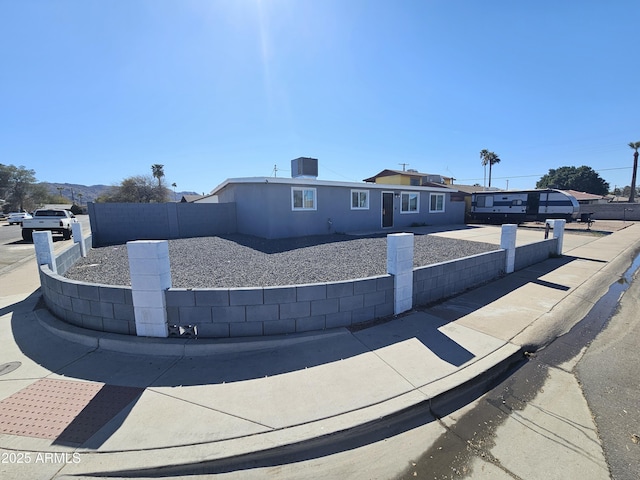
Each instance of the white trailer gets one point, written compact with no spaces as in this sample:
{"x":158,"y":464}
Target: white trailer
{"x":517,"y":206}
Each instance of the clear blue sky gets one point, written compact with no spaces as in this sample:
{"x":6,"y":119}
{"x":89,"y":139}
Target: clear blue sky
{"x":94,"y":91}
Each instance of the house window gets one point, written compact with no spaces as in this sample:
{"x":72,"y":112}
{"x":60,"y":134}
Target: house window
{"x":303,"y":198}
{"x":359,"y":199}
{"x":436,"y":202}
{"x":410,"y":202}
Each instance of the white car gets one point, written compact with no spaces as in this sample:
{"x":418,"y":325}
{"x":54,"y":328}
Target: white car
{"x":17,"y":217}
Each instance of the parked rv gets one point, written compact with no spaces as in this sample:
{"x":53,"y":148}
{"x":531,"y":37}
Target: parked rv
{"x":523,"y":206}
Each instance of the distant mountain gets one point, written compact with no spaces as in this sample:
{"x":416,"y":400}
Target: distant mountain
{"x":83,"y":194}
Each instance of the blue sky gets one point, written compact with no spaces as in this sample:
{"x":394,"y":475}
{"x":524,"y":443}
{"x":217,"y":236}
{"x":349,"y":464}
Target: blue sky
{"x":94,"y":91}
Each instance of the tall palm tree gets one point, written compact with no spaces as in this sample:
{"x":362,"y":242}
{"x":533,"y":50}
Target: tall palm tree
{"x":489,"y":158}
{"x":635,"y":146}
{"x":158,"y":172}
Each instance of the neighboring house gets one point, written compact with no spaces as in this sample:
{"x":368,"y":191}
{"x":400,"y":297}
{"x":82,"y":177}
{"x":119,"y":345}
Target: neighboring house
{"x":616,"y":199}
{"x":584,"y":198}
{"x":408,"y":177}
{"x":190,"y":198}
{"x":272,"y":207}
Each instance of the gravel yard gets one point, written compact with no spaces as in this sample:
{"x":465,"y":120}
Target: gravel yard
{"x":244,"y":261}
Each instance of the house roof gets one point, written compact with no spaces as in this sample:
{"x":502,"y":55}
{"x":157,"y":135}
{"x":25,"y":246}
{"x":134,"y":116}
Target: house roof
{"x":583,"y":195}
{"x":190,"y":198}
{"x":469,"y":189}
{"x":329,"y":183}
{"x":406,"y":173}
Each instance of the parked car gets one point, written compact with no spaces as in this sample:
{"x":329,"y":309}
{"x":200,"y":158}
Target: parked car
{"x":17,"y":217}
{"x":53,"y":219}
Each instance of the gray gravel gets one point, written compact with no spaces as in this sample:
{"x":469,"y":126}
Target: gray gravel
{"x":245,"y":261}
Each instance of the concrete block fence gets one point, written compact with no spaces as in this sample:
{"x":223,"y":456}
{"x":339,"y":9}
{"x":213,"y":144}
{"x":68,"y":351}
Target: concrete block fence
{"x":533,"y":253}
{"x":117,"y":223}
{"x":71,"y":255}
{"x":435,"y":282}
{"x":105,"y":308}
{"x":238,"y":312}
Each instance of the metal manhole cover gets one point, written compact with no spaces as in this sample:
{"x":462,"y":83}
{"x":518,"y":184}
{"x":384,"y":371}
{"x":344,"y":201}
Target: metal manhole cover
{"x":9,"y":367}
{"x":69,"y":412}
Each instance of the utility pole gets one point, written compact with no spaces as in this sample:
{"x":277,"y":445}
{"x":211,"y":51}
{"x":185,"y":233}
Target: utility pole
{"x":403,"y":166}
{"x":275,"y":170}
{"x":484,"y":182}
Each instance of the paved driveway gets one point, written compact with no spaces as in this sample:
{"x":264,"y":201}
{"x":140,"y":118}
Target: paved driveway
{"x":492,"y":233}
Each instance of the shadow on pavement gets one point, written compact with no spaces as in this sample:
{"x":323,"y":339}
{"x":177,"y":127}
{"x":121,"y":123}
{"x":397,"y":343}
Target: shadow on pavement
{"x":129,"y":369}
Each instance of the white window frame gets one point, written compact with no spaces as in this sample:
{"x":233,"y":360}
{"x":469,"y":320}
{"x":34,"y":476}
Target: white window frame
{"x":303,"y":190}
{"x":359,"y":192}
{"x":443,"y":202}
{"x":409,"y":194}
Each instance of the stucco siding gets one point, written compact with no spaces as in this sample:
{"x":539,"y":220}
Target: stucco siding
{"x":265,"y":209}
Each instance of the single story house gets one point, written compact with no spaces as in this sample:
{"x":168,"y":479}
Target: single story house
{"x":585,"y":198}
{"x":272,"y":207}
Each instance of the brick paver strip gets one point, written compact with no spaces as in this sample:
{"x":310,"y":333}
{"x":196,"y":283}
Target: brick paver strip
{"x":68,"y":412}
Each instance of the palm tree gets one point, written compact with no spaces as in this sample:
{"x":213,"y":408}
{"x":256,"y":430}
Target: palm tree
{"x":174,"y":185}
{"x":489,"y":158}
{"x":635,"y":146}
{"x":158,"y":172}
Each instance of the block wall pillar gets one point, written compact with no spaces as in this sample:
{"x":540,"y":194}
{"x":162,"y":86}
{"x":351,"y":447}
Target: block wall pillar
{"x":558,"y":232}
{"x":76,"y":230}
{"x":400,"y":265}
{"x":508,"y":243}
{"x":150,"y":272}
{"x":43,"y":243}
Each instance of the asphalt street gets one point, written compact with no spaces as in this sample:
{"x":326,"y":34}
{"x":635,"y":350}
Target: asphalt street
{"x":609,"y":373}
{"x":14,"y":250}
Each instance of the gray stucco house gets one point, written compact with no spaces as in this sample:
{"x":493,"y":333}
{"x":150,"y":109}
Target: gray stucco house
{"x":271,"y":207}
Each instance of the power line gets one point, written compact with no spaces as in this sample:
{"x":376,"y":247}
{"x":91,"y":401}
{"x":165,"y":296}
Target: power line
{"x":539,"y":175}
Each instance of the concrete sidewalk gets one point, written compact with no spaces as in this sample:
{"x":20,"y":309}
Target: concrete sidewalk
{"x":219,"y":400}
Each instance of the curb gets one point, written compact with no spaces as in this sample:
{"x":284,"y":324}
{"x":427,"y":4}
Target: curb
{"x":278,"y":446}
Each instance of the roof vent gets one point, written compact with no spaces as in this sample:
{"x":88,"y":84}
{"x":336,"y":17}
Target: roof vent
{"x":304,"y":167}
